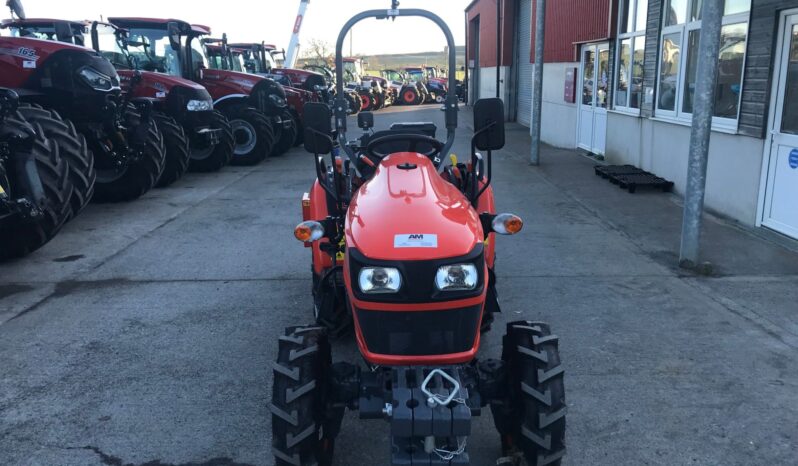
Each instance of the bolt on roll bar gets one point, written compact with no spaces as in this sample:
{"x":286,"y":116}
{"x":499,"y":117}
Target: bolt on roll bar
{"x":341,"y":104}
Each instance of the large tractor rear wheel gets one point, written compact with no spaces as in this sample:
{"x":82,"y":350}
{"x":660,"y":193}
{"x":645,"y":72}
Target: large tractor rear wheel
{"x":71,"y":147}
{"x":213,"y":158}
{"x":177,"y":147}
{"x":366,"y":102}
{"x":533,"y":417}
{"x":410,"y":96}
{"x":252,"y":133}
{"x":302,"y":432}
{"x":288,"y":135}
{"x":21,"y":236}
{"x":142,"y":169}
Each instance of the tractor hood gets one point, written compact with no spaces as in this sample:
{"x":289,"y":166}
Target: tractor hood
{"x":158,"y":85}
{"x":221,"y":83}
{"x":408,"y":212}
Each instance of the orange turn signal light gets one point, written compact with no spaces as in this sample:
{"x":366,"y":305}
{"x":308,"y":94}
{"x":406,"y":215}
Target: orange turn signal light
{"x":309,"y":231}
{"x":507,"y":224}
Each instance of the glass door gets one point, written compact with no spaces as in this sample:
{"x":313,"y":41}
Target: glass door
{"x":594,"y":72}
{"x":781,"y":195}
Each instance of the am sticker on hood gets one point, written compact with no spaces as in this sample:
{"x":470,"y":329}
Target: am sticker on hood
{"x":415,"y":240}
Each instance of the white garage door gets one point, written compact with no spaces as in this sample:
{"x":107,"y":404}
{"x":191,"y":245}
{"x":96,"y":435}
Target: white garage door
{"x":524,"y":94}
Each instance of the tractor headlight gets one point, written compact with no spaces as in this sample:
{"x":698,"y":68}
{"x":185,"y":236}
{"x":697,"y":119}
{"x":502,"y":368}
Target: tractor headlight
{"x":95,"y":79}
{"x":380,"y":280}
{"x":199,"y":105}
{"x":457,"y":277}
{"x":277,"y":100}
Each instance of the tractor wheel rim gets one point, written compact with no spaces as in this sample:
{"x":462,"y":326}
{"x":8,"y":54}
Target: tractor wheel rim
{"x":439,"y":99}
{"x":245,"y":136}
{"x":409,"y":97}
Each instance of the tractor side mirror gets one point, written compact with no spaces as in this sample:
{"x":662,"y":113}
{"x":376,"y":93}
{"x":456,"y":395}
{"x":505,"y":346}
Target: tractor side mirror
{"x":174,"y":35}
{"x":318,"y":127}
{"x":365,"y":120}
{"x":16,"y":8}
{"x":489,"y":124}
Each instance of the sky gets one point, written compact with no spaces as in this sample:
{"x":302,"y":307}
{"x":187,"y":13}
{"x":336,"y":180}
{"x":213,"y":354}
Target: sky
{"x":273,"y":20}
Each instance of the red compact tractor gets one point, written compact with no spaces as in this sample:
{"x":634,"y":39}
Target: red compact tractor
{"x":402,"y":239}
{"x":194,"y":135}
{"x":252,"y":104}
{"x":35,"y":187}
{"x":74,"y":95}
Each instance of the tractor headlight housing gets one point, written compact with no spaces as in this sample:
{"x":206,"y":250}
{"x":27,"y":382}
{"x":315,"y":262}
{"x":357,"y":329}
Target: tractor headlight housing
{"x":376,"y":280}
{"x":199,"y":105}
{"x":457,"y":277}
{"x":96,"y":80}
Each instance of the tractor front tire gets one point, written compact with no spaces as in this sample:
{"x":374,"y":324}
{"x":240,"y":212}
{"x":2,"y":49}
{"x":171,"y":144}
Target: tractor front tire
{"x":211,"y":159}
{"x":19,"y":237}
{"x":533,"y":416}
{"x":288,"y":135}
{"x":140,"y":174}
{"x":302,"y":434}
{"x":71,"y":147}
{"x":178,"y":151}
{"x":252,"y":133}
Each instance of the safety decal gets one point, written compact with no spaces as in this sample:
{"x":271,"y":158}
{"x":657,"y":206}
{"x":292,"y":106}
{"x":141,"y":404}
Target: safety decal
{"x":160,"y":95}
{"x":29,"y":64}
{"x":415,"y":240}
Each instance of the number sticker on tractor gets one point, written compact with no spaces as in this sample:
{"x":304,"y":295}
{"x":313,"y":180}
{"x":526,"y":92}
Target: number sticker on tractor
{"x":416,"y":240}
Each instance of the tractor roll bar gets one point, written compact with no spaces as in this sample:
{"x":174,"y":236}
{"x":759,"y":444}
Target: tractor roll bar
{"x":340,"y":102}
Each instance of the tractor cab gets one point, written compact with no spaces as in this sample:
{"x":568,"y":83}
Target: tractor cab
{"x":72,"y":32}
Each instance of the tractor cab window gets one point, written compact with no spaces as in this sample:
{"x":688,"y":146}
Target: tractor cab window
{"x":251,"y":62}
{"x":112,"y":45}
{"x":416,"y":75}
{"x":393,"y":76}
{"x":237,"y":61}
{"x":198,"y":58}
{"x":270,"y":62}
{"x":47,"y":32}
{"x":352,"y":68}
{"x":150,"y":50}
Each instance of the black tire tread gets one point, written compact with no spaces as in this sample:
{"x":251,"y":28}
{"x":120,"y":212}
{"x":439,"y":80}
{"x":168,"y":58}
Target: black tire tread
{"x":298,"y":394}
{"x":71,"y":147}
{"x":288,"y":135}
{"x":537,"y":390}
{"x":263,"y":130}
{"x":19,"y":237}
{"x":140,"y":175}
{"x":177,"y":148}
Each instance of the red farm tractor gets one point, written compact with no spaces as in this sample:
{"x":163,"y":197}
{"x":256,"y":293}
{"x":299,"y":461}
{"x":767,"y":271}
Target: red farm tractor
{"x":74,"y":95}
{"x":402,"y":239}
{"x":251,"y":104}
{"x":35,"y":186}
{"x":352,"y":97}
{"x":194,"y":135}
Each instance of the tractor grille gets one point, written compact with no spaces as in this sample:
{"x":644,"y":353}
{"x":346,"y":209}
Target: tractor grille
{"x":419,"y":333}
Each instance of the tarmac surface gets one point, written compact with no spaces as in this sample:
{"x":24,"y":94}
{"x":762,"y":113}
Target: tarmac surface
{"x":144,"y":333}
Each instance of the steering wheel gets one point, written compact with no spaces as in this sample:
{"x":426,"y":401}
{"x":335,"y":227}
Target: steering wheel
{"x":412,"y":141}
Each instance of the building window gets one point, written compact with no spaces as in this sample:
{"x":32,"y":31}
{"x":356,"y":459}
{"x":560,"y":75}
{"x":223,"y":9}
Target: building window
{"x":679,"y":60}
{"x":632,"y":19}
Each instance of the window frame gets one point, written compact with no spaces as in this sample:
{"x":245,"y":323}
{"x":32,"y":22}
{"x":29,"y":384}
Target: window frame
{"x":633,"y":36}
{"x":684,"y":29}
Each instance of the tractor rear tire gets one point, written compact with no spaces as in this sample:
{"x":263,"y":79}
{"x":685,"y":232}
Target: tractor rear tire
{"x":140,"y":175}
{"x":533,"y":418}
{"x":288,"y":135}
{"x":71,"y":147}
{"x":177,"y":147}
{"x":302,"y":433}
{"x":214,"y":158}
{"x":252,"y":133}
{"x":19,"y":237}
{"x":410,"y":97}
{"x":366,"y":102}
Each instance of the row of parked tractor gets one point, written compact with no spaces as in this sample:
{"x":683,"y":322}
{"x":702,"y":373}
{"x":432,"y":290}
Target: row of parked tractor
{"x":106,"y":111}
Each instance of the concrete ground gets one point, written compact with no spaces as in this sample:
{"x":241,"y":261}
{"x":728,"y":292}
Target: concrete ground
{"x":144,"y":333}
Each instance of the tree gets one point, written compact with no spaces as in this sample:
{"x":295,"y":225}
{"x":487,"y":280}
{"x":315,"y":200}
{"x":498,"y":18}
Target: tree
{"x":318,"y":50}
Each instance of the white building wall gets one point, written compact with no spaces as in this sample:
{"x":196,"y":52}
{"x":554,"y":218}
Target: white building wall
{"x":487,"y":85}
{"x":733,"y":171}
{"x":558,"y":117}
